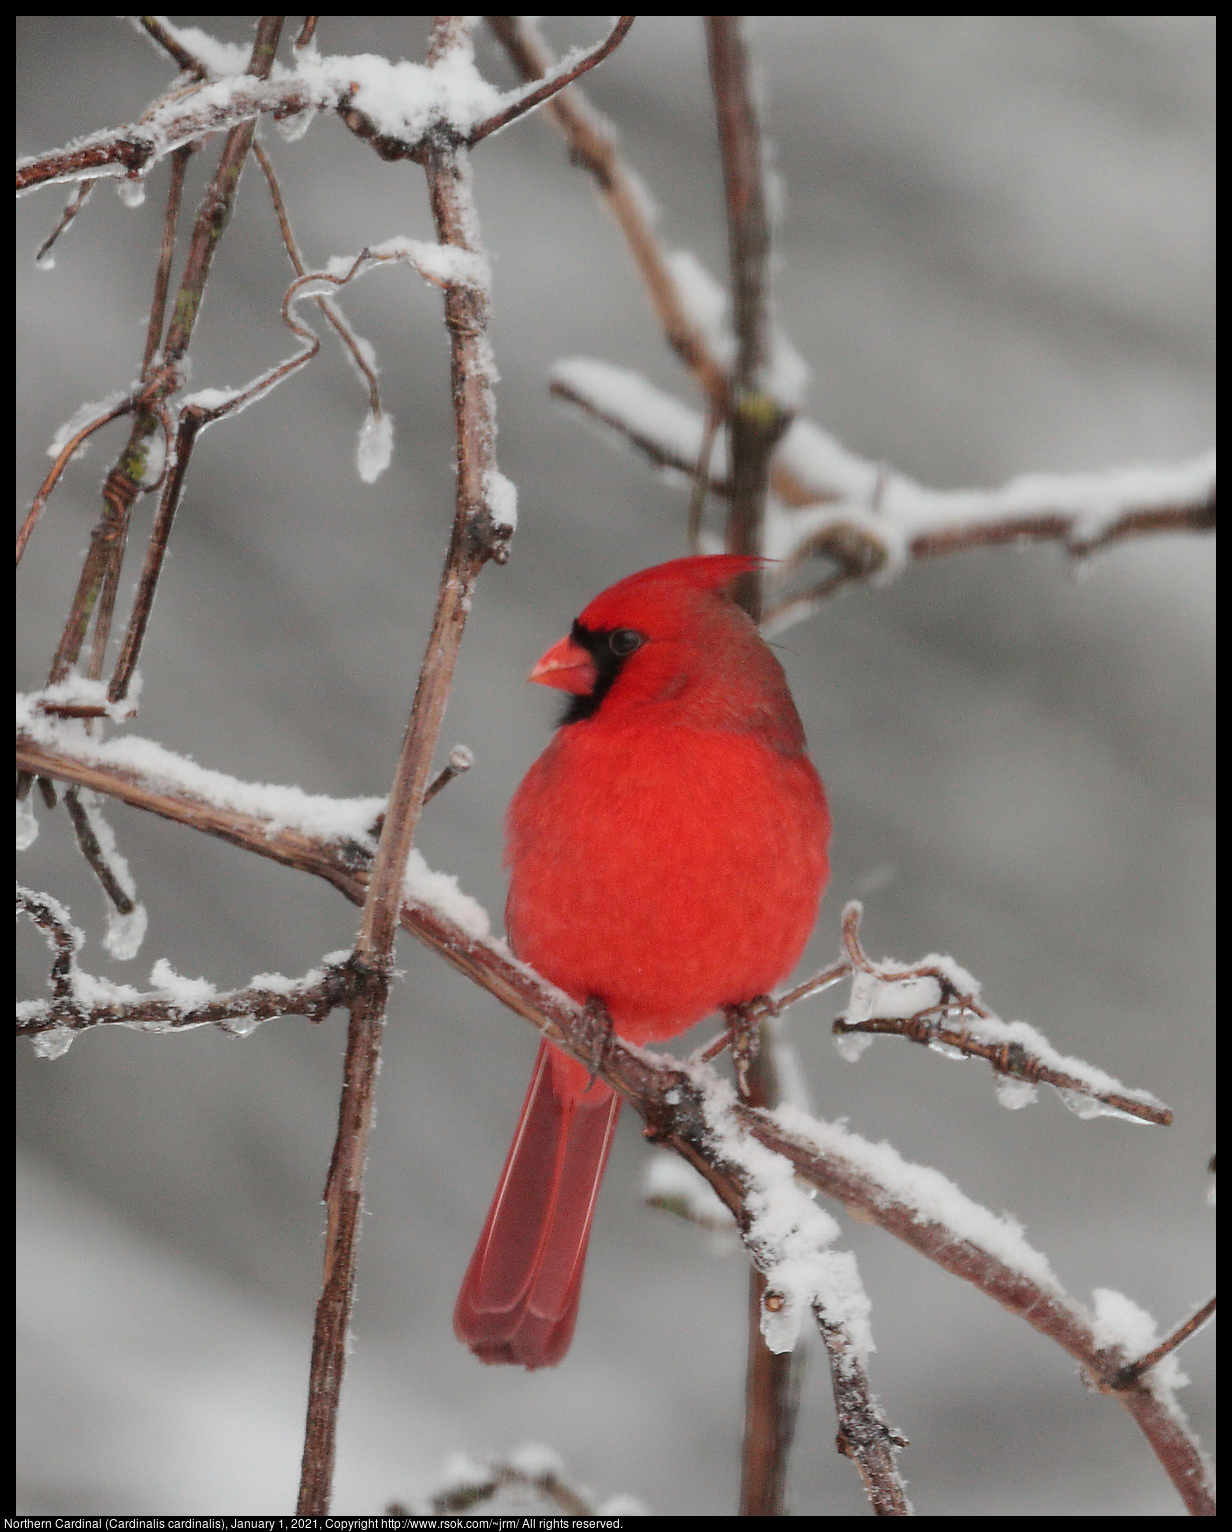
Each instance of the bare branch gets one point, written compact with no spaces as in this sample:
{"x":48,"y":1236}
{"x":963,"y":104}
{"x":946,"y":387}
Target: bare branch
{"x":478,"y":534}
{"x":863,"y":521}
{"x":880,"y":521}
{"x":88,"y":840}
{"x":460,"y":760}
{"x":120,"y":407}
{"x":1132,"y":1371}
{"x":83,"y":1001}
{"x":192,"y":420}
{"x":592,"y":145}
{"x":62,"y":936}
{"x":100,"y":570}
{"x":756,"y":418}
{"x":167,"y":39}
{"x":171,"y":218}
{"x":229,"y":103}
{"x":567,"y":71}
{"x":328,"y":308}
{"x":864,"y":1435}
{"x":73,"y":207}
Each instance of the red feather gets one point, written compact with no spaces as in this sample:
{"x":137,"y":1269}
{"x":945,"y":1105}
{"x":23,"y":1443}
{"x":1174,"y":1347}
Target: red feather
{"x":667,"y":855}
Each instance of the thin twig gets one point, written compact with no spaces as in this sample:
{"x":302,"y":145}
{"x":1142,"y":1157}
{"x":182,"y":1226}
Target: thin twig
{"x":526,"y":101}
{"x":93,"y":852}
{"x":329,"y":309}
{"x":124,"y":482}
{"x":864,"y":1436}
{"x":216,"y":207}
{"x":73,"y":207}
{"x":166,"y":39}
{"x":192,"y":420}
{"x":162,"y":279}
{"x":755,"y":418}
{"x":50,"y":916}
{"x":460,"y":760}
{"x":314,"y":996}
{"x":1132,"y":1371}
{"x":1016,"y":1058}
{"x":57,"y":468}
{"x":476,"y":538}
{"x":592,"y":145}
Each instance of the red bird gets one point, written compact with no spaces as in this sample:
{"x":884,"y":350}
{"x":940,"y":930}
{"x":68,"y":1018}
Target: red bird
{"x":667,"y":854}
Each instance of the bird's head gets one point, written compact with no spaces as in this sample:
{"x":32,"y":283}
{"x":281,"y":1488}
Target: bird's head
{"x":669,"y":634}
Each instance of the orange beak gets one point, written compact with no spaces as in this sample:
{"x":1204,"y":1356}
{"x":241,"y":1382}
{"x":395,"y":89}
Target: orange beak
{"x":568,"y":667}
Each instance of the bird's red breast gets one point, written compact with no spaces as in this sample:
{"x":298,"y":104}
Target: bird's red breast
{"x":667,"y":851}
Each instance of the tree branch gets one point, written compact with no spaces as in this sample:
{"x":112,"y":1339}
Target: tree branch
{"x":564,"y":74}
{"x":478,"y":534}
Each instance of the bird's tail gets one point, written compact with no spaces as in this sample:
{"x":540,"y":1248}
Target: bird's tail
{"x":519,"y":1298}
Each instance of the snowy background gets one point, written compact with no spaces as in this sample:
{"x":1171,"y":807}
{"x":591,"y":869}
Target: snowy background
{"x":997,"y":257}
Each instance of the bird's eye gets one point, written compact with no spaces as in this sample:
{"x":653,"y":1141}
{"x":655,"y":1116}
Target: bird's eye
{"x":624,"y":641}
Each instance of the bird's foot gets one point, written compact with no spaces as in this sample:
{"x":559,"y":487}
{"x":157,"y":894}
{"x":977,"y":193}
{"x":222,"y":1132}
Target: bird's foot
{"x":594,"y":1034}
{"x":744,"y":1036}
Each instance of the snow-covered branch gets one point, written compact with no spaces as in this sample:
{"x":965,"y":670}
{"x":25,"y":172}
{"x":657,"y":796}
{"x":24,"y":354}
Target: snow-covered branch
{"x":400,"y":108}
{"x":936,"y":1002}
{"x":870,"y":522}
{"x":864,"y":520}
{"x":173,"y":1003}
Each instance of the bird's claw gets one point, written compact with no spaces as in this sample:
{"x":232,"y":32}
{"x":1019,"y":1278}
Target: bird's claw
{"x":744,"y":1036}
{"x":594,"y":1036}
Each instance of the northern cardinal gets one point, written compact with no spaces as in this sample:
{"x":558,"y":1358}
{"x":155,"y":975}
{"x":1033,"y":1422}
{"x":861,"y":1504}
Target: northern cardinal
{"x":667,"y":854}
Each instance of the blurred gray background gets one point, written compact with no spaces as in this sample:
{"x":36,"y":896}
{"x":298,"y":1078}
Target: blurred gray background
{"x":997,"y":256}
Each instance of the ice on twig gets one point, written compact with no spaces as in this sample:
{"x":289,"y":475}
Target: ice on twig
{"x":27,"y":823}
{"x":125,"y":933}
{"x":789,"y":1235}
{"x":501,"y":495}
{"x":375,"y":446}
{"x":1014,"y":1094}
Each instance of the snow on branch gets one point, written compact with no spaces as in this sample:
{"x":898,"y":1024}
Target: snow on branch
{"x":82,"y":1000}
{"x":870,"y":521}
{"x":826,"y":502}
{"x":149,"y":768}
{"x":530,"y":1480}
{"x":399,"y":107}
{"x":936,"y":1002}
